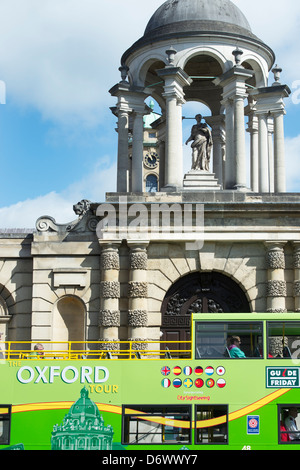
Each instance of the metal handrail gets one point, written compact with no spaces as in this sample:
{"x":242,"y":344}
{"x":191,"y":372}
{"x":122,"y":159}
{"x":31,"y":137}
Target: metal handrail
{"x":76,"y":350}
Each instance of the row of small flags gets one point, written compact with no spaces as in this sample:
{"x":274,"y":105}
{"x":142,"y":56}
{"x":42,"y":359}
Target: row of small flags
{"x":197,"y":371}
{"x":188,"y":382}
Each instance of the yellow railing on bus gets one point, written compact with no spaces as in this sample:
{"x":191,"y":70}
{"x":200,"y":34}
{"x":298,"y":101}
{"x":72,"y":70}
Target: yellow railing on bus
{"x":77,"y":350}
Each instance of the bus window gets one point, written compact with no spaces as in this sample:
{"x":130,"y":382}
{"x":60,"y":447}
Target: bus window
{"x":283,"y":339}
{"x":156,"y":424}
{"x":228,"y":339}
{"x":211,"y":424}
{"x":289,"y":424}
{"x":5,"y":417}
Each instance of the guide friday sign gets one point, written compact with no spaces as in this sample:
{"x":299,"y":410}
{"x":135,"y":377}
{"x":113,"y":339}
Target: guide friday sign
{"x":282,"y":377}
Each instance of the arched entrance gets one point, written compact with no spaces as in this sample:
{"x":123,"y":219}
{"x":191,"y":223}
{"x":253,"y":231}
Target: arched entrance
{"x":208,"y":292}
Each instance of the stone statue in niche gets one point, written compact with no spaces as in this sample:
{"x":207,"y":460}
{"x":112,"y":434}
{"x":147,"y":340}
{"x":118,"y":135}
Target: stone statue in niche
{"x":201,"y":146}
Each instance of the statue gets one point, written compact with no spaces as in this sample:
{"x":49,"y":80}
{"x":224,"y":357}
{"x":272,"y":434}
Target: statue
{"x":202,"y":144}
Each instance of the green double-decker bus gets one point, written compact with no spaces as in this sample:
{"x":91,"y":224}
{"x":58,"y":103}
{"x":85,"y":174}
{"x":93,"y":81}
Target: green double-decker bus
{"x":235,"y":386}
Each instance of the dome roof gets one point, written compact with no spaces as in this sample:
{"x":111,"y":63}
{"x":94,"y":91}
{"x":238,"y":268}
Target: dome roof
{"x":85,"y":406}
{"x":183,"y":16}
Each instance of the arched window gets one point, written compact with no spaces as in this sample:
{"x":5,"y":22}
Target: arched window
{"x":151,"y":184}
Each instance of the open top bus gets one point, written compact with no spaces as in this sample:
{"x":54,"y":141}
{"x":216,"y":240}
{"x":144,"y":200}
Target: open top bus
{"x":194,"y":395}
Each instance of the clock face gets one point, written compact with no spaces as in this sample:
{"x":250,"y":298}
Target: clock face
{"x":151,"y":159}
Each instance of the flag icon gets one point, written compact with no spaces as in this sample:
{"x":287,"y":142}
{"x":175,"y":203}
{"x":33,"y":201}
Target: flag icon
{"x":166,"y":383}
{"x":221,"y":383}
{"x":210,"y":383}
{"x":221,"y":370}
{"x":198,"y":370}
{"x":177,"y":370}
{"x":165,"y":370}
{"x":188,"y":383}
{"x":187,"y":370}
{"x":177,"y":383}
{"x":199,"y":383}
{"x":209,"y":370}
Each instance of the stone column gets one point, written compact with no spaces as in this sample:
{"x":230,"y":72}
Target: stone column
{"x":234,"y":90}
{"x":175,"y":79}
{"x":271,"y":155}
{"x":269,"y":104}
{"x":217,"y":123}
{"x":109,"y":319}
{"x":229,"y":172}
{"x":137,"y":149}
{"x":276,"y":284}
{"x":137,"y":294}
{"x":297,"y":275}
{"x":122,"y":110}
{"x":263,"y":152}
{"x":239,"y":141}
{"x":161,"y":137}
{"x":279,"y":153}
{"x":253,"y":131}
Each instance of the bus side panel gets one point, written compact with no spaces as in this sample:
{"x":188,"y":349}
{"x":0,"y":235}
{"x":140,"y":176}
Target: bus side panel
{"x":83,"y":404}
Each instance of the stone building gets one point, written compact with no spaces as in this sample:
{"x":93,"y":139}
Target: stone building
{"x":120,"y":270}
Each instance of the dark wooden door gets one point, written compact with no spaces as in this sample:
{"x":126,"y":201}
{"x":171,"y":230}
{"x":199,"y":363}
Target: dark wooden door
{"x":198,"y":293}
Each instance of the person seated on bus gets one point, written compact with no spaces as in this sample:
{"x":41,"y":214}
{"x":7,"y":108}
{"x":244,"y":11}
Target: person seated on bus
{"x":291,"y":425}
{"x":284,"y":436}
{"x":38,"y":352}
{"x":234,"y":347}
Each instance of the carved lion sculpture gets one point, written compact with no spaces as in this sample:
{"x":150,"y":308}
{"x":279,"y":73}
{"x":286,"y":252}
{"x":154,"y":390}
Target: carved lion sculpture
{"x":81,"y":207}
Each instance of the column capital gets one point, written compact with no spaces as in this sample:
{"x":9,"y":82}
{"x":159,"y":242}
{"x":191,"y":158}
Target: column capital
{"x":270,"y":99}
{"x":175,"y":80}
{"x":233,"y":82}
{"x":275,"y":245}
{"x":275,"y":255}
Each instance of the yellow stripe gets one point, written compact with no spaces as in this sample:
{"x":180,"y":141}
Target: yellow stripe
{"x":164,"y":421}
{"x":243,"y":411}
{"x":61,"y":405}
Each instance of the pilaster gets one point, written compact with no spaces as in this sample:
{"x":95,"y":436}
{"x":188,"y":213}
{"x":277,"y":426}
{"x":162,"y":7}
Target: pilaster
{"x":138,"y":294}
{"x":109,"y":318}
{"x":276,"y":284}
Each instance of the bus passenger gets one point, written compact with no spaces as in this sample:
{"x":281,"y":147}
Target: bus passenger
{"x":234,"y":347}
{"x":38,"y":352}
{"x":291,"y":425}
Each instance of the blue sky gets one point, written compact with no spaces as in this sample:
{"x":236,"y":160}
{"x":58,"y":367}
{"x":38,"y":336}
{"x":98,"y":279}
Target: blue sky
{"x":58,"y":59}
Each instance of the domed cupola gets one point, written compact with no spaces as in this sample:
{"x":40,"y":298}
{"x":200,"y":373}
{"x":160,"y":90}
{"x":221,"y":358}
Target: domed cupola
{"x":202,"y":51}
{"x":82,"y":428}
{"x":190,"y":16}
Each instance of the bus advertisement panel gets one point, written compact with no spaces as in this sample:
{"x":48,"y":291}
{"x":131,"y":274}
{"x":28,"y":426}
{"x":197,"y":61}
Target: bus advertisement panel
{"x":211,"y":400}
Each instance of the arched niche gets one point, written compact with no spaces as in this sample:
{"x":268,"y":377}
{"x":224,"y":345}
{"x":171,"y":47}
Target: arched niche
{"x":69,"y":321}
{"x":203,"y":69}
{"x":206,"y":292}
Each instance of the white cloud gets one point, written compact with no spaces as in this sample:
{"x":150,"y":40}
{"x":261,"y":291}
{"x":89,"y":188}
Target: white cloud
{"x":62,"y":57}
{"x":93,"y":186}
{"x":292,"y":151}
